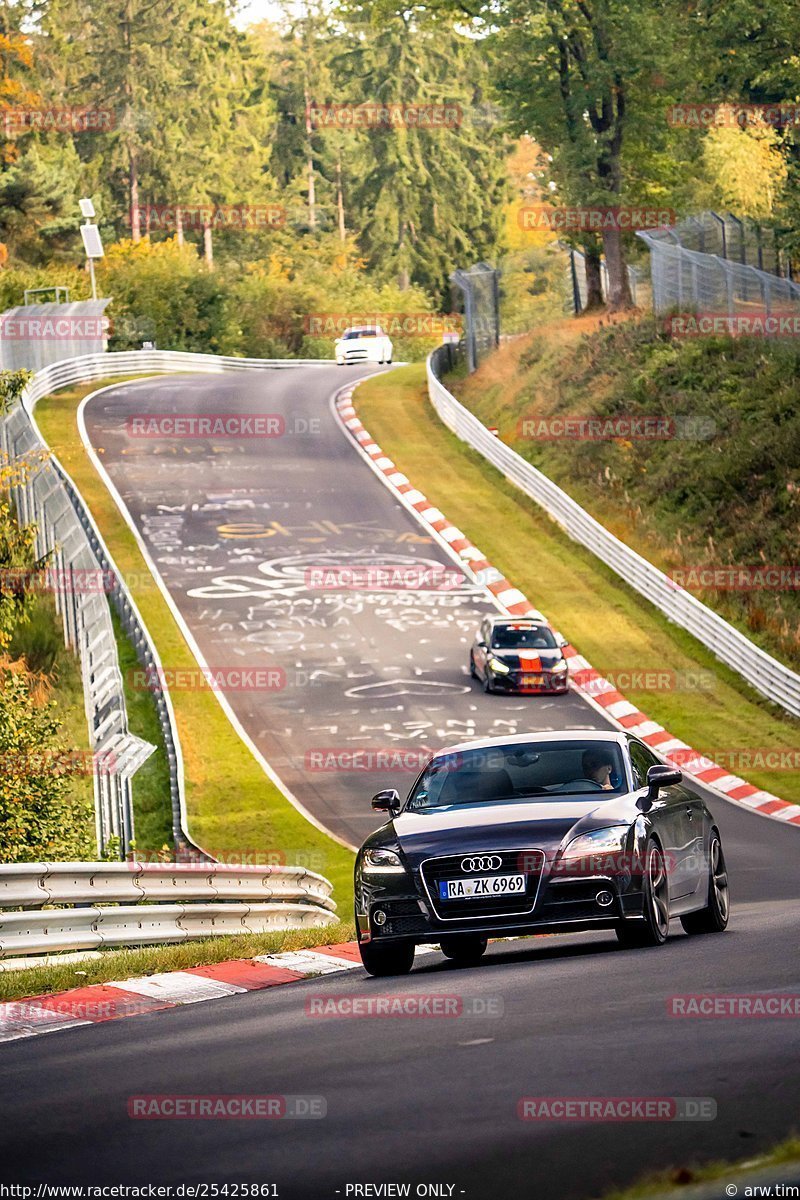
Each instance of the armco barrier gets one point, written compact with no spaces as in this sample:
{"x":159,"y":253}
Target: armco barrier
{"x":202,"y":900}
{"x":768,"y":676}
{"x":66,"y":530}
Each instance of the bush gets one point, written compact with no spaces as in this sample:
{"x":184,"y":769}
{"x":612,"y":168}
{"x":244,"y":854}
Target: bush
{"x":40,"y":819}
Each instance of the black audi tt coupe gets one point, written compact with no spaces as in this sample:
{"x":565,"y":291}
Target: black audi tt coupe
{"x":550,"y":832}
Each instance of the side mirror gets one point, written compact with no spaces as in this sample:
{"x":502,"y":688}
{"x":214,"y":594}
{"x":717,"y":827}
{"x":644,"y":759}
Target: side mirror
{"x":561,"y":641}
{"x":658,"y":776}
{"x":387,"y":801}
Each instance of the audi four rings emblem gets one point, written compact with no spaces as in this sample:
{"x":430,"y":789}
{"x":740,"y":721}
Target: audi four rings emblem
{"x":488,"y":862}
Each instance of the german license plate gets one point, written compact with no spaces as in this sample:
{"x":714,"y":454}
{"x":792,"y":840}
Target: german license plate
{"x":485,"y":885}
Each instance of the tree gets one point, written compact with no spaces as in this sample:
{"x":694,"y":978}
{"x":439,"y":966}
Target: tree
{"x":431,"y":197}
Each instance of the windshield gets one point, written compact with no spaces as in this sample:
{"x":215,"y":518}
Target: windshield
{"x":550,"y":771}
{"x":359,"y":333}
{"x":522,"y":637}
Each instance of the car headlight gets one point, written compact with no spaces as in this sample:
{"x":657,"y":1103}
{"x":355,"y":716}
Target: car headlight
{"x":498,"y":666}
{"x":600,"y":841}
{"x":558,"y":668}
{"x":384,"y":861}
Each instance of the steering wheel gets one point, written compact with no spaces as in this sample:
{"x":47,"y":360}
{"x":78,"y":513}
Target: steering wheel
{"x":591,"y":784}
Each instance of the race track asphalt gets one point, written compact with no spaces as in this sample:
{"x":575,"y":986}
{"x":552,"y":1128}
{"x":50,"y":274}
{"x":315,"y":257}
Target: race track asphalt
{"x":427,"y":1100}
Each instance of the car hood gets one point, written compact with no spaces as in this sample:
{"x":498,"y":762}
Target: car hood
{"x":529,"y":660}
{"x":519,"y":825}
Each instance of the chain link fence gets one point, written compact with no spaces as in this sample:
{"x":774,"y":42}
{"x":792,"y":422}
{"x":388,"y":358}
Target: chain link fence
{"x":481,"y":288}
{"x":78,"y":580}
{"x":718,"y":264}
{"x":576,"y":291}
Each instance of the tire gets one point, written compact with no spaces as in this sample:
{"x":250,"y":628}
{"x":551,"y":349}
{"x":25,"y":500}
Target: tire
{"x":714,"y":917}
{"x":487,"y":684}
{"x":465,"y":949}
{"x":654,"y":929}
{"x":392,"y":958}
{"x":472,"y":671}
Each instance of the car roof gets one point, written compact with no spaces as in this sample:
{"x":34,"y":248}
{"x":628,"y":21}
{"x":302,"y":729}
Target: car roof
{"x":500,"y":619}
{"x":363,"y":329}
{"x":560,"y":735}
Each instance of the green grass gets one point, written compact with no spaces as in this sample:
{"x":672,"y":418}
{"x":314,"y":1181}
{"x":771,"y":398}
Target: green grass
{"x":726,"y":493}
{"x":233,"y":808}
{"x":609,"y":623}
{"x":672,"y":1182}
{"x":125,"y":964}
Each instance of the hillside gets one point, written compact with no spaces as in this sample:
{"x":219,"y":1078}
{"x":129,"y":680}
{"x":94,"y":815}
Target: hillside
{"x":718,"y":485}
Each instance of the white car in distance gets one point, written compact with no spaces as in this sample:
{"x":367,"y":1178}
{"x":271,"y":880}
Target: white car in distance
{"x":363,"y":343}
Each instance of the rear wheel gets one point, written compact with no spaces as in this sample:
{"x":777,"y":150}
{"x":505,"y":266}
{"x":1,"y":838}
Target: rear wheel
{"x":714,"y":917}
{"x":392,"y":958}
{"x":464,"y":949}
{"x":653,"y":930}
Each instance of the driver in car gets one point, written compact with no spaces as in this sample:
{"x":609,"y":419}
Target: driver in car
{"x":597,"y":766}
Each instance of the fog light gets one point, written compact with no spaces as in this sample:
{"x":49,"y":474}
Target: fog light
{"x":604,"y":899}
{"x":379,"y":917}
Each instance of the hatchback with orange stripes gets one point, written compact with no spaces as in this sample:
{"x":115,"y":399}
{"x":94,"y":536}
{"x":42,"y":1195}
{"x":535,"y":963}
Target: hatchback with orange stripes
{"x":518,"y":654}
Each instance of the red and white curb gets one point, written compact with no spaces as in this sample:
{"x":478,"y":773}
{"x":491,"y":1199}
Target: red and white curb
{"x":101,"y":1002}
{"x":597,"y":690}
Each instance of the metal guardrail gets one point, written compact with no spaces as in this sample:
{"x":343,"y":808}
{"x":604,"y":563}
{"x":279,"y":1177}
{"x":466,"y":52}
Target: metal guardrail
{"x":66,"y":529}
{"x":137,"y":903}
{"x":767,"y":675}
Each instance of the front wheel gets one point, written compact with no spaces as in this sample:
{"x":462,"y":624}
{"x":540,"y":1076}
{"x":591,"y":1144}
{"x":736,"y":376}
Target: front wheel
{"x":464,"y":949}
{"x":714,"y":917}
{"x":391,"y":958}
{"x":653,"y":930}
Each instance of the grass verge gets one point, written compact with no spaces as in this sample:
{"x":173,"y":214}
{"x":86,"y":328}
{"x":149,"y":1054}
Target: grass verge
{"x":614,"y":627}
{"x":150,"y":960}
{"x":676,"y":1181}
{"x":233,"y":808}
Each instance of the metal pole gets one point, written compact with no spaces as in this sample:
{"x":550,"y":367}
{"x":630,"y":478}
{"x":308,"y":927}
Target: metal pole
{"x":576,"y":293}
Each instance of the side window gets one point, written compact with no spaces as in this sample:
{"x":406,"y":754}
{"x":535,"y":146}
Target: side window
{"x":642,"y":758}
{"x":486,"y":632}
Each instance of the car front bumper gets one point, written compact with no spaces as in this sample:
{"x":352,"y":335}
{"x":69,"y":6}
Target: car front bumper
{"x":561,"y":904}
{"x":520,"y":683}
